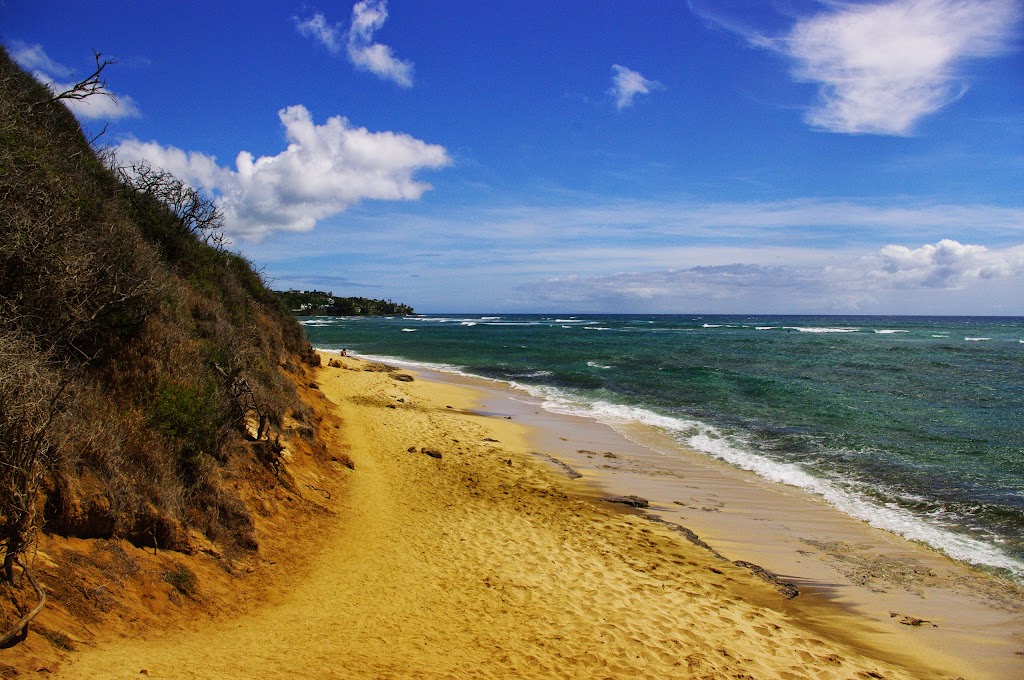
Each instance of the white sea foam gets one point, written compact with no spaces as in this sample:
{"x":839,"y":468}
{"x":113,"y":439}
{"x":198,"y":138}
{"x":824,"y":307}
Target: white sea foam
{"x":888,"y":517}
{"x":469,"y":323}
{"x":594,"y":364}
{"x":712,"y":325}
{"x":512,"y":323}
{"x":890,"y":332}
{"x":532,"y":374}
{"x":403,"y":363}
{"x":767,"y":328}
{"x":409,"y":330}
{"x":815,"y":329}
{"x":977,"y":339}
{"x":490,"y":318}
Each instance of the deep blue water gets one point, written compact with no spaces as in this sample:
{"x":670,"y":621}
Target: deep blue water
{"x":915,"y":424}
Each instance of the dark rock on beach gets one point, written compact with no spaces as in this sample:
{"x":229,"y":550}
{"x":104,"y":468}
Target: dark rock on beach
{"x":632,"y":501}
{"x":787,"y":589}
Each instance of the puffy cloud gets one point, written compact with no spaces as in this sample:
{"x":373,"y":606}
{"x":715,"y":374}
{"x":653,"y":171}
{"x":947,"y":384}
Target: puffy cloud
{"x":627,"y":84}
{"x":317,"y":28}
{"x":947,"y":264}
{"x":105,"y":106}
{"x":368,"y":17}
{"x":324,"y":170}
{"x":883,"y":66}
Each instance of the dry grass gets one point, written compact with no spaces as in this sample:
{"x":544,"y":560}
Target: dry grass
{"x":141,"y":324}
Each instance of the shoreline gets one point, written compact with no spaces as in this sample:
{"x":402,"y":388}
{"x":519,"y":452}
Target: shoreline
{"x":456,"y":549}
{"x":834,"y":559}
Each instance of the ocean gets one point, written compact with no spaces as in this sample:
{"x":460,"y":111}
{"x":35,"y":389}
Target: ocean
{"x":913,"y":424}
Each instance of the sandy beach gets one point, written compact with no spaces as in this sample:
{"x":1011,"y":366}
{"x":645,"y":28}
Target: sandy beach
{"x":457,"y":548}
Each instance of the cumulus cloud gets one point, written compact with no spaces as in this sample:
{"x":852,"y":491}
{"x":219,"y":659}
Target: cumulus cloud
{"x":368,"y":17}
{"x":324,"y":170}
{"x":627,"y":84}
{"x":60,"y":78}
{"x":881,"y":67}
{"x":947,"y":264}
{"x":317,"y":28}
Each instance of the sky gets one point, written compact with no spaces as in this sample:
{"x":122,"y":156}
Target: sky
{"x":621,"y":156}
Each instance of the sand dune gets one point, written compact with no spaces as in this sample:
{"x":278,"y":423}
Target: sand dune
{"x":486,"y":562}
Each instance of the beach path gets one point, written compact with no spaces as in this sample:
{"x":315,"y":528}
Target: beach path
{"x":485,"y":563}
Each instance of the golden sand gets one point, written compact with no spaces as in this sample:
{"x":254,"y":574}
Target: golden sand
{"x":453,"y":551}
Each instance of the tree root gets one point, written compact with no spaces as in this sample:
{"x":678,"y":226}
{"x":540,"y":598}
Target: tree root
{"x":20,"y":630}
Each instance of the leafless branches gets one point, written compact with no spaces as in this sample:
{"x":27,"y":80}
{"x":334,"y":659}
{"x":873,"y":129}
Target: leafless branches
{"x":29,"y":398}
{"x":93,"y":84}
{"x":198,"y":214}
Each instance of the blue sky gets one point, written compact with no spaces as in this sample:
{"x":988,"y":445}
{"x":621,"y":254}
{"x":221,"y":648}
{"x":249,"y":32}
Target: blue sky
{"x":621,"y":156}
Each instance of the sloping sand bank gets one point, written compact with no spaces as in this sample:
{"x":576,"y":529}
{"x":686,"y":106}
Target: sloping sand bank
{"x":455,"y":552}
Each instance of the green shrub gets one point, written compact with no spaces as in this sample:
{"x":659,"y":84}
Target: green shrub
{"x":183,"y":579}
{"x":192,"y":416}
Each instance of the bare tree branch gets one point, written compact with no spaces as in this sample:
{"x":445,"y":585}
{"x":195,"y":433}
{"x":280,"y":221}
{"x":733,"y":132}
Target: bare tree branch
{"x":197,"y":214}
{"x":89,"y":86}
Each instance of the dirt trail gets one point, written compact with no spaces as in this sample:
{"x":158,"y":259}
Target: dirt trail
{"x":483,"y":563}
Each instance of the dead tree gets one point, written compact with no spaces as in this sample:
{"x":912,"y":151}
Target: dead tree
{"x":29,"y":398}
{"x":245,"y":401}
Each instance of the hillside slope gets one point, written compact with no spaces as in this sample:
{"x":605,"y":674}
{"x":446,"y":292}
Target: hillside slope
{"x":147,"y":375}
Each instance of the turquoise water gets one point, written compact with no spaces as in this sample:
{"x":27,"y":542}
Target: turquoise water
{"x":914,"y":424}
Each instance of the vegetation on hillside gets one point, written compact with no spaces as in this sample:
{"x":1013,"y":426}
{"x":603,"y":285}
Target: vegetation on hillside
{"x":143,"y":367}
{"x":319,"y":303}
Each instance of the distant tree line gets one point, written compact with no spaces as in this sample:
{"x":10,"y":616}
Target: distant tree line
{"x":319,"y":303}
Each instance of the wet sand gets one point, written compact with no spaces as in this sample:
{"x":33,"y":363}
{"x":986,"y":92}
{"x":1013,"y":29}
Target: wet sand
{"x":915,"y":597}
{"x":457,"y":549}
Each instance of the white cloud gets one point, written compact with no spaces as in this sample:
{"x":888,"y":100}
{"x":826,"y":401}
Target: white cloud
{"x":368,"y":17}
{"x":317,"y":28}
{"x":35,"y":58}
{"x":798,"y":256}
{"x":53,"y":74}
{"x":947,"y":264}
{"x":865,"y":283}
{"x":627,"y":84}
{"x":881,"y":67}
{"x":324,"y":170}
